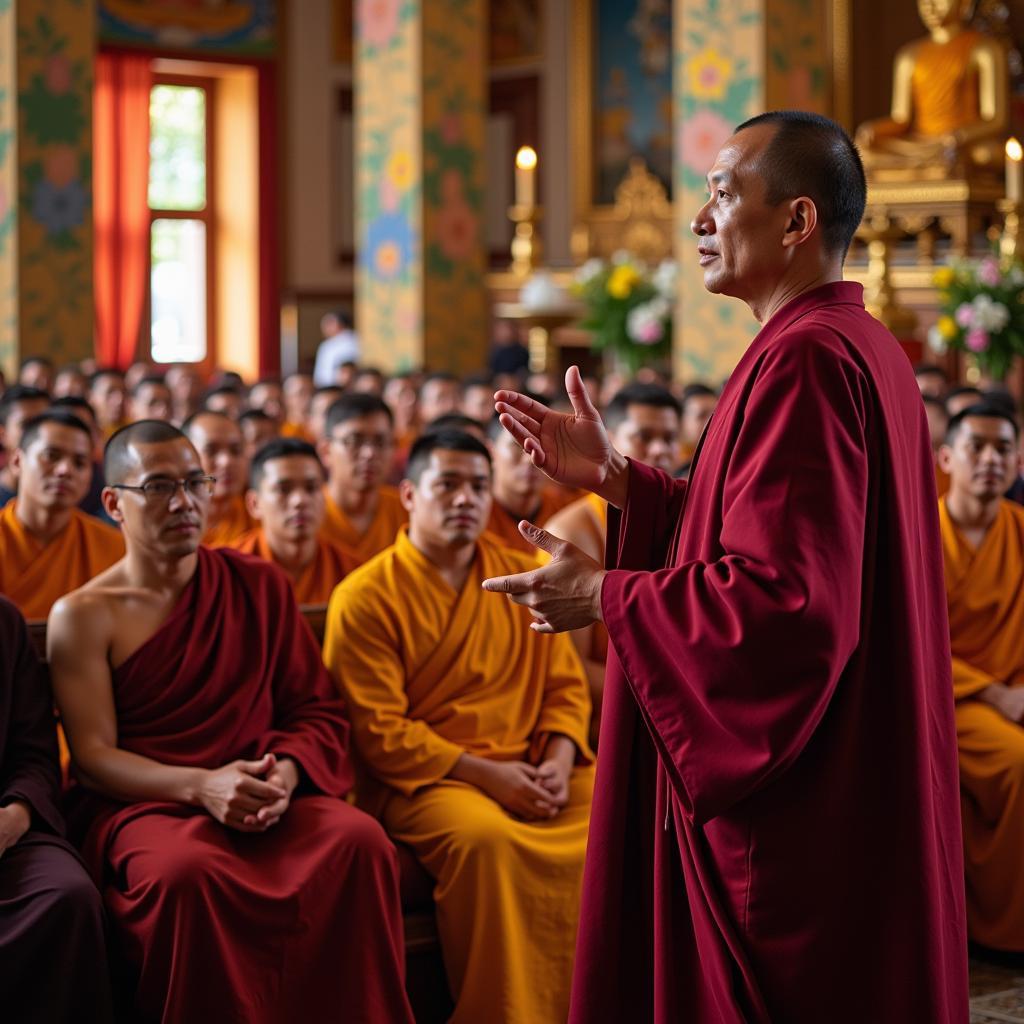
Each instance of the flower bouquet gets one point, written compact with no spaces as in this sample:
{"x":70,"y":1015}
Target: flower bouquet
{"x":629,"y":308}
{"x":982,"y":304}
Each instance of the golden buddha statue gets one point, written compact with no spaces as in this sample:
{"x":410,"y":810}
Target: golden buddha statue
{"x":949,"y":105}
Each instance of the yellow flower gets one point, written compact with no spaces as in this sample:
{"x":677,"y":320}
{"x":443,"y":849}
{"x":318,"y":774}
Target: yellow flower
{"x":399,"y":169}
{"x":622,"y":280}
{"x":944,"y":277}
{"x":388,"y":259}
{"x":947,"y":327}
{"x":709,"y":73}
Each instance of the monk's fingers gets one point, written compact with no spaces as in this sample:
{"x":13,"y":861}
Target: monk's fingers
{"x":269,"y":812}
{"x":543,"y":626}
{"x":265,"y":792}
{"x":521,"y":403}
{"x":520,"y":434}
{"x":260,"y":767}
{"x":244,"y":823}
{"x":514,"y":586}
{"x":241,"y":804}
{"x":529,"y":423}
{"x":542,"y":539}
{"x":579,"y":397}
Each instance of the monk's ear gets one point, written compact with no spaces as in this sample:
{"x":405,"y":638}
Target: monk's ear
{"x":323,"y":449}
{"x":802,"y":219}
{"x":406,"y":489}
{"x":252,"y":504}
{"x":945,"y":458}
{"x":16,"y":457}
{"x":111,"y":501}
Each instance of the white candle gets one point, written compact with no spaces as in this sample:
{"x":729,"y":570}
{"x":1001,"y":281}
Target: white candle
{"x":526,"y":171}
{"x":1014,"y":171}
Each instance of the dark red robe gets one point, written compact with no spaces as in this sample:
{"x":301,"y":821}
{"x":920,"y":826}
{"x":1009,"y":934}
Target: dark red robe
{"x":300,"y":923}
{"x":53,"y":960}
{"x":775,"y":833}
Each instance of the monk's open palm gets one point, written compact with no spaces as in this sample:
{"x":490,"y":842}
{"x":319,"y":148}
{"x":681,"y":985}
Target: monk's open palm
{"x":571,"y":449}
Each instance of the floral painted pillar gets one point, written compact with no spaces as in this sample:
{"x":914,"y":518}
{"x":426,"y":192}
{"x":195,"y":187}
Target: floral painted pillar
{"x":420,"y":122}
{"x":733,"y":59}
{"x":46,"y":55}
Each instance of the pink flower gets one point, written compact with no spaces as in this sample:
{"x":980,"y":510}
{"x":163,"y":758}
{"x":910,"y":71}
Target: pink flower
{"x":57,"y":74}
{"x":700,"y":139}
{"x":988,"y":273}
{"x":651,"y":332}
{"x":964,"y":315}
{"x":977,"y":340}
{"x":378,"y":21}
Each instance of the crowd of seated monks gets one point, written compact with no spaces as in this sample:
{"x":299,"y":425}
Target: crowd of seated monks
{"x":222,"y":825}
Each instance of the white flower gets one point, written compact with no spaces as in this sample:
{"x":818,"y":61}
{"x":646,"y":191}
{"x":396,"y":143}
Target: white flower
{"x":989,"y":315}
{"x":1016,"y":277}
{"x":936,"y":342}
{"x":664,"y":278}
{"x":620,"y":257}
{"x":591,"y":269}
{"x":646,"y":323}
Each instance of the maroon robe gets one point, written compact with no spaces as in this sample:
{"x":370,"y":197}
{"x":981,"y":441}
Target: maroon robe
{"x":299,"y":923}
{"x":775,"y":833}
{"x":53,"y":960}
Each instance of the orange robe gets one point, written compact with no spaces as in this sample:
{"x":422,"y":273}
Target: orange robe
{"x":230,"y":527}
{"x":985,"y":590}
{"x":387,"y":520}
{"x":428,"y":674}
{"x":35,"y":575}
{"x":504,"y":527}
{"x":289,"y":429}
{"x":329,"y":566}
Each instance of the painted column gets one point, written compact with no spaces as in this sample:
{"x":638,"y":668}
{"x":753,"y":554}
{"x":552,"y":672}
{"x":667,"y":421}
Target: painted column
{"x":46,"y":70}
{"x":420,"y":126}
{"x":733,"y":59}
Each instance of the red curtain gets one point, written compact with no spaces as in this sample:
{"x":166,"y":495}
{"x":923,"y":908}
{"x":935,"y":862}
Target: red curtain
{"x":120,"y":203}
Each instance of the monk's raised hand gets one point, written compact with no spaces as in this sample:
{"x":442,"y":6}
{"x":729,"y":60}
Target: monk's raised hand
{"x":564,"y":594}
{"x":571,"y":449}
{"x":238,"y":790}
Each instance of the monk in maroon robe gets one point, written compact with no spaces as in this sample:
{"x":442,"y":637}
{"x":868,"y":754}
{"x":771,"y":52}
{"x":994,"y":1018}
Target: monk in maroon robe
{"x":775,"y":833}
{"x":210,"y":749}
{"x":53,"y":960}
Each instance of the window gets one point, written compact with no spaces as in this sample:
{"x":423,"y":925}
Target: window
{"x":181,"y":220}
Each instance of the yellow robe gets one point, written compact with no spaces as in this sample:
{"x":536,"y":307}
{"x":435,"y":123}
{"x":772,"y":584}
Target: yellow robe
{"x":380,"y":534}
{"x":35,"y":575}
{"x":318,"y":579}
{"x":230,"y":527}
{"x":505,"y":528}
{"x":429,"y":674}
{"x":985,"y":589}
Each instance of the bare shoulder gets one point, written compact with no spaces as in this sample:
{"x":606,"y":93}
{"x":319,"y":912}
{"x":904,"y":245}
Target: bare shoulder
{"x":84,"y":619}
{"x":567,"y":522}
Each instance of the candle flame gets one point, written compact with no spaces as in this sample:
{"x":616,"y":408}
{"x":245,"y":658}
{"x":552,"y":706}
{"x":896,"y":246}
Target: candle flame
{"x":1014,"y":150}
{"x":526,"y":158}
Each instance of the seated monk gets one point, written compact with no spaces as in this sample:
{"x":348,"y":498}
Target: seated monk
{"x":210,"y":752}
{"x":983,"y":546}
{"x":938,"y":426}
{"x":950,"y":109}
{"x":316,"y":422}
{"x":697,"y":403}
{"x":297,"y":393}
{"x":257,"y":429}
{"x":18,"y":405}
{"x":286,"y":498}
{"x":150,"y":399}
{"x":363,"y":514}
{"x":472,"y":730}
{"x":48,"y":546}
{"x":521,"y":491}
{"x":53,"y":959}
{"x":643,"y":423}
{"x":218,"y":439}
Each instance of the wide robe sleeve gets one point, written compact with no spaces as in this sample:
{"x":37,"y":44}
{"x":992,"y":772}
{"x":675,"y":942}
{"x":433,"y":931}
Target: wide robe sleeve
{"x":309,"y":718}
{"x":30,"y":769}
{"x":969,"y":681}
{"x":361,"y":650}
{"x":733,"y":661}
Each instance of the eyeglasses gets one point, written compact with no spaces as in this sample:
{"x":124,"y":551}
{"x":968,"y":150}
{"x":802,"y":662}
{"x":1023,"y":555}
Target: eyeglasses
{"x":356,"y":442}
{"x":162,"y":489}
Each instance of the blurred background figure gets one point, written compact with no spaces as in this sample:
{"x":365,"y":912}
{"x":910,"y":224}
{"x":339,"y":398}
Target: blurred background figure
{"x":340,"y":345}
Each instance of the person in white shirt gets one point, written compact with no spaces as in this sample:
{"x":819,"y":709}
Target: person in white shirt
{"x":340,"y":345}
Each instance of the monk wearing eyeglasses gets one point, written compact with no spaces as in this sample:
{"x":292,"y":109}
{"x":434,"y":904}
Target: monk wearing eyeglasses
{"x":363,"y":514}
{"x":211,"y":756}
{"x":48,"y":546}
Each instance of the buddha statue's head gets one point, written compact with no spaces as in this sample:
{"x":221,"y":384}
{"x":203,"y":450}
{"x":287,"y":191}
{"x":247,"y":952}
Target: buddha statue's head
{"x":940,"y":14}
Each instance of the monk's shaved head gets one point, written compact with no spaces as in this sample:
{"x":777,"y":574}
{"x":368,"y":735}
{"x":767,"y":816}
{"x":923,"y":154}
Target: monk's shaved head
{"x":118,"y":456}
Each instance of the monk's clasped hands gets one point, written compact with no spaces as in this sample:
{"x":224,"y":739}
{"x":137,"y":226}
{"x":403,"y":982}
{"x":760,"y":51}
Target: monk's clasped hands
{"x":565,"y":594}
{"x":249,"y":796}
